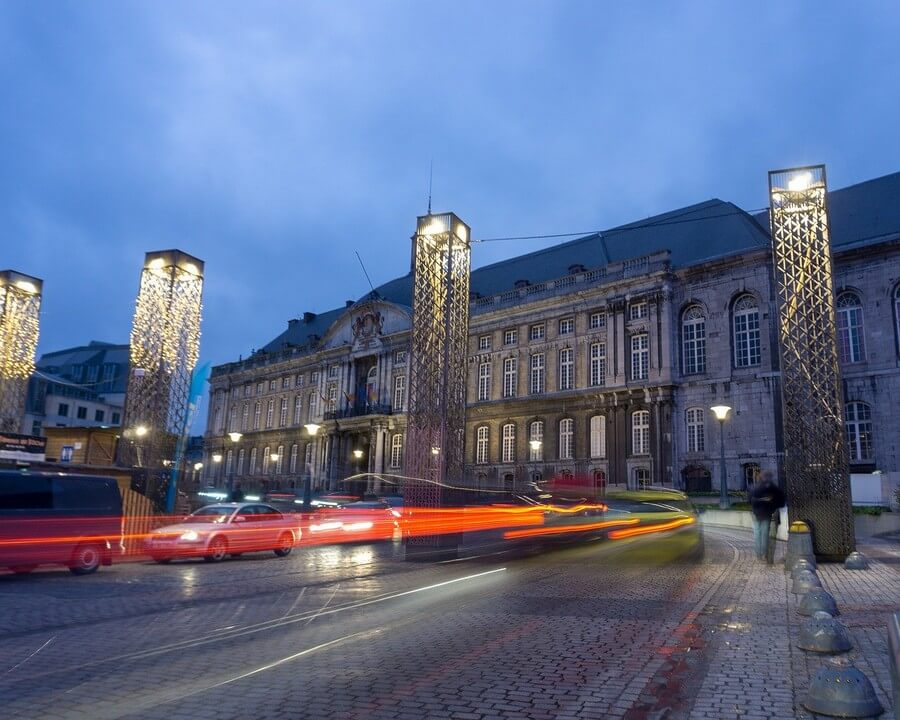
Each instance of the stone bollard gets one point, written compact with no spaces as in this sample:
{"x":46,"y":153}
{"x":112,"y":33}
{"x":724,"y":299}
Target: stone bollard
{"x":805,"y":581}
{"x":799,"y":545}
{"x":824,"y":636}
{"x":840,"y":690}
{"x":856,"y":561}
{"x":816,"y":600}
{"x":802,"y":564}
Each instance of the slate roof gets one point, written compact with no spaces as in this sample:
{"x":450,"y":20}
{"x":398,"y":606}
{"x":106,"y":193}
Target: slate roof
{"x":861,"y":214}
{"x":60,"y":362}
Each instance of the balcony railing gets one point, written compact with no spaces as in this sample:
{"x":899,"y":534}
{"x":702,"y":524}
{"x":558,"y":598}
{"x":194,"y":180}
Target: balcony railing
{"x":359,"y":411}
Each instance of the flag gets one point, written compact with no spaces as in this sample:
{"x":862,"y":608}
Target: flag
{"x":348,"y":396}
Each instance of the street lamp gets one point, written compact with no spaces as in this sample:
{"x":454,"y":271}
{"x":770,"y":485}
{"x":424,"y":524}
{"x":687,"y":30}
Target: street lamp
{"x":198,"y":466}
{"x":311,"y":429}
{"x":721,"y":413}
{"x":217,"y":460}
{"x":535,"y":446}
{"x":274,"y":457}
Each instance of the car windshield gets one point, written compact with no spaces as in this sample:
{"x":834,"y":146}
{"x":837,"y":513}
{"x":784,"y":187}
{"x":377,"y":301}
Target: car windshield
{"x":211,"y":514}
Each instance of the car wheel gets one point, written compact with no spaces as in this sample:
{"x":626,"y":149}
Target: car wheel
{"x":217,"y":551}
{"x":285,"y":545}
{"x":86,"y":559}
{"x":161,"y":560}
{"x":236,"y":555}
{"x":23,"y":569}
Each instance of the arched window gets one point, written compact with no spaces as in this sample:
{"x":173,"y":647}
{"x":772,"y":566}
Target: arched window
{"x":747,"y":350}
{"x":253,"y":461}
{"x":598,"y":436}
{"x":240,"y":463}
{"x":481,"y":444}
{"x":295,"y":449}
{"x":509,"y":443}
{"x":693,"y":339}
{"x":372,"y":385}
{"x":265,"y":462}
{"x":695,"y":419}
{"x":536,"y":441}
{"x":396,"y":450}
{"x":566,"y":437}
{"x":851,"y":344}
{"x":279,"y":464}
{"x":858,"y":424}
{"x":640,"y":432}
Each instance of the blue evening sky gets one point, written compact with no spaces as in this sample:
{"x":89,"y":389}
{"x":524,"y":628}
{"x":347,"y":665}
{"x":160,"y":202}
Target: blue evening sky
{"x":274,"y":139}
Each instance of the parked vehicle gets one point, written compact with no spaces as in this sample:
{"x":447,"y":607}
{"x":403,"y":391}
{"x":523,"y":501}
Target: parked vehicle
{"x":58,"y":519}
{"x":216,"y":531}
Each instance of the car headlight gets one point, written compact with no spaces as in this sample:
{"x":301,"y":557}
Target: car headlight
{"x":189,"y":536}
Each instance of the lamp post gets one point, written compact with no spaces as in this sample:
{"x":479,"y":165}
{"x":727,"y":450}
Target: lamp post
{"x":274,"y":457}
{"x":217,"y":463}
{"x":721,"y":413}
{"x":198,"y":466}
{"x":311,"y":429}
{"x":235,"y":438}
{"x":535,"y":446}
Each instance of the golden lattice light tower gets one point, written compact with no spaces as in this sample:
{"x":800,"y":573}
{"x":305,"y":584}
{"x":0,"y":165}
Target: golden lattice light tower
{"x":817,"y":475}
{"x":165,"y":345}
{"x":20,"y":309}
{"x":437,"y":378}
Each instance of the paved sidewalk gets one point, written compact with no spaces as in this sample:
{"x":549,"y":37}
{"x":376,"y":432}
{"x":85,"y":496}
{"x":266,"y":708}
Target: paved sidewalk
{"x":757,"y":670}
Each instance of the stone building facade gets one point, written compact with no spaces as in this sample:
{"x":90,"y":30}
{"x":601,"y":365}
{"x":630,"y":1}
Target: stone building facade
{"x":600,"y":357}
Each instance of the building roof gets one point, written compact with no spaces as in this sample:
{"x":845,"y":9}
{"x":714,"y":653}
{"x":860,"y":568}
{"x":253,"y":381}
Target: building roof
{"x":866,"y":213}
{"x":58,"y":366}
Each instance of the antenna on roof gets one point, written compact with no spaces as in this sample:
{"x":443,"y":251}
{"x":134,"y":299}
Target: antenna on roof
{"x":366,"y":273}
{"x":430,"y":177}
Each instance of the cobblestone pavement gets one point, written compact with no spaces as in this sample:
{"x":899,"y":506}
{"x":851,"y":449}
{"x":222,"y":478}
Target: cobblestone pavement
{"x":590,"y":631}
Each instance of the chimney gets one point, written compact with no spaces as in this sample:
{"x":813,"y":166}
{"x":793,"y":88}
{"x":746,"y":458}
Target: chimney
{"x":308,"y":317}
{"x":350,"y":303}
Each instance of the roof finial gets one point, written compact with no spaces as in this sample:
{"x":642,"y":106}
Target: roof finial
{"x":430,"y":176}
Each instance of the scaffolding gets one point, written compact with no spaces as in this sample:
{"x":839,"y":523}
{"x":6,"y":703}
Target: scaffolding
{"x":20,"y":308}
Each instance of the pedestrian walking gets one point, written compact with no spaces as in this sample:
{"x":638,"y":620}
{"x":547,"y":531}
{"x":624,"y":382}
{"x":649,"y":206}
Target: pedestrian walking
{"x":766,"y":498}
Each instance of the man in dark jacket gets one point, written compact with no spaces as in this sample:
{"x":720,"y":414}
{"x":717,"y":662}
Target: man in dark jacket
{"x":766,"y":498}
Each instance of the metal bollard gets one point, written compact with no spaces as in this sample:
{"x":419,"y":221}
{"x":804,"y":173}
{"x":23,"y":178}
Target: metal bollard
{"x":805,"y":581}
{"x":824,"y":636}
{"x":840,"y":690}
{"x":894,"y":652}
{"x":816,"y":600}
{"x":799,"y":545}
{"x":856,"y":561}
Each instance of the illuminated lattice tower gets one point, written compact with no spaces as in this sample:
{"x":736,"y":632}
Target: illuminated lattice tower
{"x":20,"y":307}
{"x":165,"y":343}
{"x":437,"y":379}
{"x":815,"y":462}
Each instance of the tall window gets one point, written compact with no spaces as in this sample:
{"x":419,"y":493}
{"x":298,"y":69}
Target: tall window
{"x":311,"y":408}
{"x":640,"y":356}
{"x":332,"y":396}
{"x":484,"y":381}
{"x":481,"y":444}
{"x":858,"y":424}
{"x":537,"y":373}
{"x":598,"y":436}
{"x":282,"y":420}
{"x":265,"y":461}
{"x":298,"y":409}
{"x":535,"y":436}
{"x":253,"y":461}
{"x":396,"y":450}
{"x":640,"y":432}
{"x":245,"y":414}
{"x":566,"y":369}
{"x":257,"y":412}
{"x":510,"y":377}
{"x":598,"y":364}
{"x":746,"y":332}
{"x":509,"y":443}
{"x":229,"y":463}
{"x":399,"y":392}
{"x":696,"y":429}
{"x":280,"y":463}
{"x":295,"y":449}
{"x":897,"y":309}
{"x":566,"y":435}
{"x":693,"y":337}
{"x":270,"y":413}
{"x":232,"y":421}
{"x":240,"y":463}
{"x":851,"y":344}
